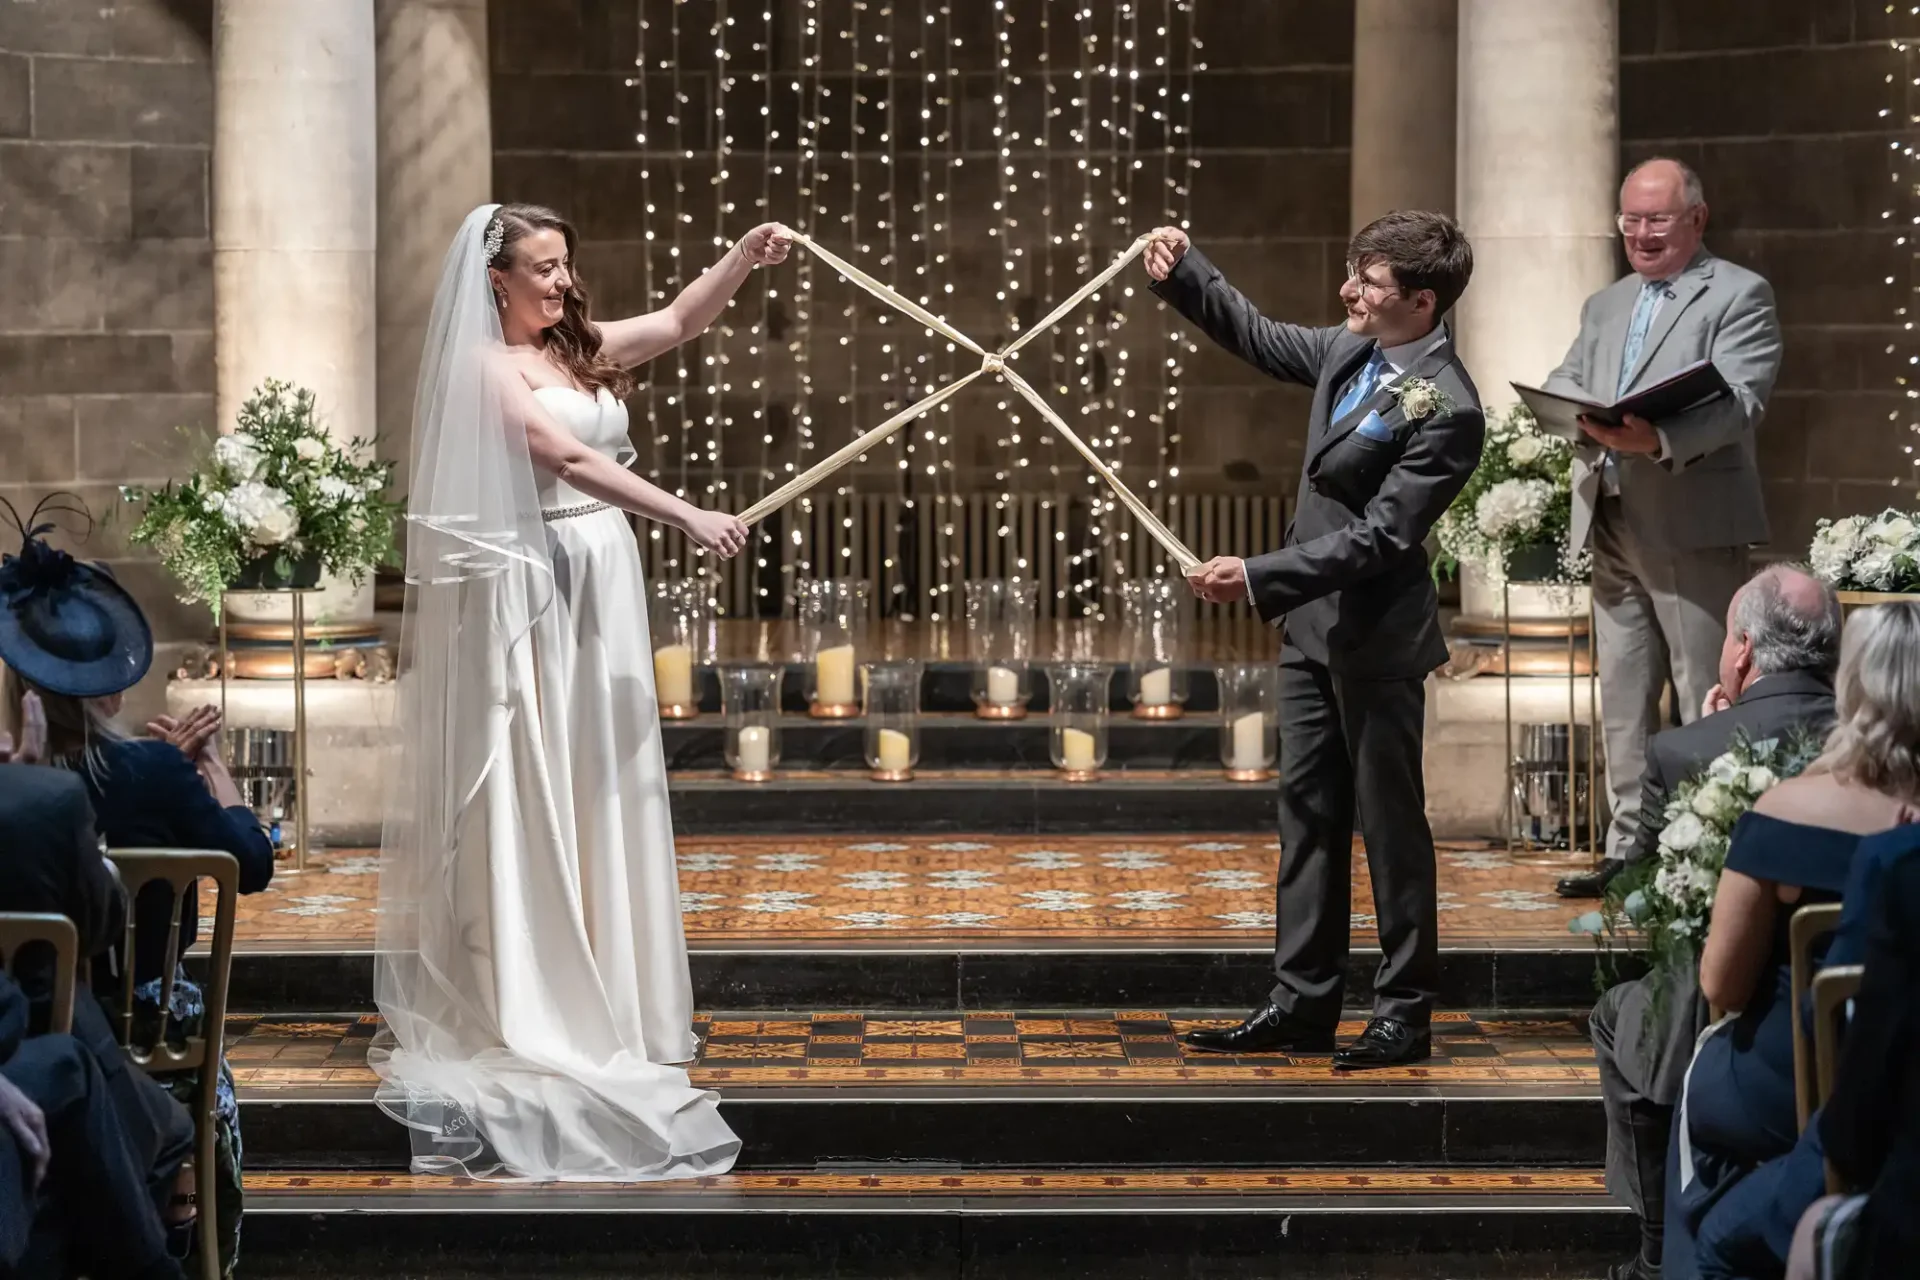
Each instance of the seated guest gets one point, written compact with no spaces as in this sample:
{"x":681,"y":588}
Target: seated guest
{"x":1871,"y":1124}
{"x":76,"y":641}
{"x":1796,"y":847}
{"x":1776,"y":676}
{"x":72,"y":1199}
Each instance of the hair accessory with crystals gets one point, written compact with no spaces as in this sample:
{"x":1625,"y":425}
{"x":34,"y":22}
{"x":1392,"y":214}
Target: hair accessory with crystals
{"x":496,"y":236}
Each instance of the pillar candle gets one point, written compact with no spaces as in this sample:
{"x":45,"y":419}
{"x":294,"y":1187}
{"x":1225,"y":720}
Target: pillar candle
{"x":833,"y":676}
{"x":752,"y":749}
{"x":1076,"y":750}
{"x":673,"y":675}
{"x":896,"y":752}
{"x":1003,"y":686}
{"x":1156,"y":687}
{"x":1249,"y":742}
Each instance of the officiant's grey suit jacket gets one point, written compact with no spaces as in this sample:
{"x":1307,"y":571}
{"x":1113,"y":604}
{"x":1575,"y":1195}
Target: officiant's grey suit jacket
{"x":1350,"y":582}
{"x":1706,"y":493}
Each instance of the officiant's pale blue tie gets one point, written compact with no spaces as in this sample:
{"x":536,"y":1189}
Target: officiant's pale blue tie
{"x":1652,"y":293}
{"x":1363,"y":385}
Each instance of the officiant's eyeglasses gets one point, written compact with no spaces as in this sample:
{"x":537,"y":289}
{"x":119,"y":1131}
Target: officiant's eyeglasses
{"x":1657,"y":224}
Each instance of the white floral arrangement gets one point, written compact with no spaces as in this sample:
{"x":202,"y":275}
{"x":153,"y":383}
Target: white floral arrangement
{"x":275,"y":500}
{"x":1520,"y":496}
{"x":1670,"y":902}
{"x":1868,"y":553}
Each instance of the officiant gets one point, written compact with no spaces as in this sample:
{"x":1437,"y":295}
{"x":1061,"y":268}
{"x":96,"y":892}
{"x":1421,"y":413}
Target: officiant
{"x":1668,"y":508}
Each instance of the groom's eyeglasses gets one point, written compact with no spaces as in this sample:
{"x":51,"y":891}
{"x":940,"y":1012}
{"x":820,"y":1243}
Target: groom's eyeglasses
{"x":1380,"y":288}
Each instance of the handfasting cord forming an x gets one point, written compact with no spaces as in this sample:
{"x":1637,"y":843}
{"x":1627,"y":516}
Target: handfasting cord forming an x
{"x":991,"y":363}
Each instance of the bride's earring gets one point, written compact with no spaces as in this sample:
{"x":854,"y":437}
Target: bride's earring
{"x":500,"y":299}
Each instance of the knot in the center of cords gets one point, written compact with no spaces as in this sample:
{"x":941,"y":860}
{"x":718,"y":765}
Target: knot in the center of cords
{"x":992,"y":364}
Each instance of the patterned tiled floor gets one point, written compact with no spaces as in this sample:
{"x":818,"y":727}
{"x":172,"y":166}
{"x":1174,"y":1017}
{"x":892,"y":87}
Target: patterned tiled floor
{"x":1123,"y":1047}
{"x":902,"y":890}
{"x":1159,"y":1182}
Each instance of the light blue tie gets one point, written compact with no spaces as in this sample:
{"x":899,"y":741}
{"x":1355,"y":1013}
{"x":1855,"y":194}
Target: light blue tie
{"x":1363,"y":385}
{"x":1650,"y":294}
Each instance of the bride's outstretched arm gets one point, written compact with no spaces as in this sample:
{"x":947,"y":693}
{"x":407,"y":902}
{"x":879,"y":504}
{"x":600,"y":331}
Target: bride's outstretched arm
{"x":555,"y":449}
{"x":639,"y":339}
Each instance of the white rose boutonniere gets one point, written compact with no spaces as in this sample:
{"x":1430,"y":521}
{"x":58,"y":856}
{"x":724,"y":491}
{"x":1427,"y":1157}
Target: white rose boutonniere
{"x":1419,"y":397}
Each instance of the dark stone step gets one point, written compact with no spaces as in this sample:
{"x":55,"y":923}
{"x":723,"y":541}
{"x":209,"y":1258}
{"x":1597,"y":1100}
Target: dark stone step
{"x":1156,"y":975}
{"x":957,"y":741}
{"x":1219,"y":1127}
{"x":1091,"y":1230}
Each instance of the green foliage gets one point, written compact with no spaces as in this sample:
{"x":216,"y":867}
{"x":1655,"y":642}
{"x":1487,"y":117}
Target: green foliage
{"x":277,"y":488}
{"x":1520,"y":495}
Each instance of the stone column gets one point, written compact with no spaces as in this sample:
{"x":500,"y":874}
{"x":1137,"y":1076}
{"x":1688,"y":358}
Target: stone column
{"x":1539,"y":168}
{"x":435,"y":149}
{"x":293,"y":217}
{"x":1404,"y":67}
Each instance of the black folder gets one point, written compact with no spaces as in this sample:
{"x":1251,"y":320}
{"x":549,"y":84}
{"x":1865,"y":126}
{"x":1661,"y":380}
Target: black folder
{"x":1558,"y":415}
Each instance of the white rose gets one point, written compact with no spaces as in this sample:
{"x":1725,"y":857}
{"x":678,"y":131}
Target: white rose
{"x":1716,"y":803}
{"x":1834,"y":546}
{"x":1683,"y":833}
{"x":1725,"y":768}
{"x":307,"y":449}
{"x":1417,"y":398}
{"x":1526,"y":450}
{"x":1759,"y":778}
{"x":239,"y":456}
{"x":262,"y":513}
{"x":1876,"y":569}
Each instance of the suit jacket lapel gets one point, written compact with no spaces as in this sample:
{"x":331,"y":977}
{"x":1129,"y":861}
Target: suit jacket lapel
{"x":1690,"y":284}
{"x":1383,"y":401}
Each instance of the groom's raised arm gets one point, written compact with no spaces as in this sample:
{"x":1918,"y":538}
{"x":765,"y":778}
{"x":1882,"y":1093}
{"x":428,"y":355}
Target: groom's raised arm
{"x":1196,"y":289}
{"x":1437,"y":463}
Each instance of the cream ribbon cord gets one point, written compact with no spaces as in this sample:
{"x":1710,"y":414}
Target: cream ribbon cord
{"x":992,"y":364}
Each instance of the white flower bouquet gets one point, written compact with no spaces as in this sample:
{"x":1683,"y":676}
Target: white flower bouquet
{"x":1668,"y":900}
{"x":276,"y":503}
{"x":1868,"y":553}
{"x":1517,"y":508}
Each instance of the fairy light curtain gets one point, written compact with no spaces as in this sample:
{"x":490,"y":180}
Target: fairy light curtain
{"x":980,"y":161}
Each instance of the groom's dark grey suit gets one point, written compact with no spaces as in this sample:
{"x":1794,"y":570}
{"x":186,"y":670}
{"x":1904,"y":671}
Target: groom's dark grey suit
{"x":1351,"y":585}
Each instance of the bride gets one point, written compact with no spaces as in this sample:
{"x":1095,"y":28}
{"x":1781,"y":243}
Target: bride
{"x":532,"y":971}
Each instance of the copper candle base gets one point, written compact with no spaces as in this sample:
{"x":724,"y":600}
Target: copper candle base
{"x":833,"y":710}
{"x":1251,"y":775}
{"x":1000,"y":710}
{"x":679,"y":712}
{"x":1079,"y":775}
{"x":892,"y":775}
{"x":761,"y":776}
{"x":1158,"y":711}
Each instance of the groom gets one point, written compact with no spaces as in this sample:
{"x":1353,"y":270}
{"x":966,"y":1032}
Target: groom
{"x":1393,"y":435}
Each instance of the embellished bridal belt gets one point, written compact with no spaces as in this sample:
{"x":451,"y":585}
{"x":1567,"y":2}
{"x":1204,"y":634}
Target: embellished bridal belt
{"x":551,"y":514}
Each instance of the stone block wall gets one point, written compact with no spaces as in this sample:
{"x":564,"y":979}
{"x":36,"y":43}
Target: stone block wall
{"x":106,"y":288}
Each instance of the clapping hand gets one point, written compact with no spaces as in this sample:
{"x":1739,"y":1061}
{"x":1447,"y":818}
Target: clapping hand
{"x":195,"y":733}
{"x":767,"y":245}
{"x":1168,"y":246}
{"x":1715,"y":702}
{"x":33,"y":734}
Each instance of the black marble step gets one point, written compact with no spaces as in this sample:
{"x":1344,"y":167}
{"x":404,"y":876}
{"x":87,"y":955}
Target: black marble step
{"x":1091,"y":1229}
{"x":1013,"y":802}
{"x":1081,"y":1126}
{"x":1011,"y":975}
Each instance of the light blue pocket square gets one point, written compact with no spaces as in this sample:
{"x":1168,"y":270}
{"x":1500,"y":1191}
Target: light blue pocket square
{"x":1373,"y":427}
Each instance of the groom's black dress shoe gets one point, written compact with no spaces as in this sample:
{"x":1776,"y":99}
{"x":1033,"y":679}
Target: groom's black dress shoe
{"x":1387,"y":1042}
{"x":1268,"y":1031}
{"x":1591,"y":884}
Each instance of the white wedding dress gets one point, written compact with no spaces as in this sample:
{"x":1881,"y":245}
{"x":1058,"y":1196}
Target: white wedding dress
{"x":537,"y":1026}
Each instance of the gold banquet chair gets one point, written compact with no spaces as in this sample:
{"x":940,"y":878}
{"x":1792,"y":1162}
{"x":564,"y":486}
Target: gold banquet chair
{"x":180,"y":870}
{"x":21,"y":930}
{"x":1809,"y":925}
{"x":1832,"y":989}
